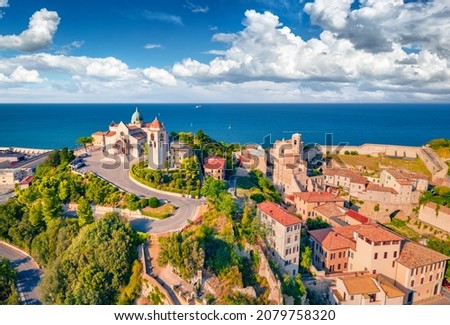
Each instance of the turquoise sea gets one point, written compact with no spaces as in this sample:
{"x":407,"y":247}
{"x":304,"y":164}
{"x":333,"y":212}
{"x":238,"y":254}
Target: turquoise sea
{"x":58,"y":125}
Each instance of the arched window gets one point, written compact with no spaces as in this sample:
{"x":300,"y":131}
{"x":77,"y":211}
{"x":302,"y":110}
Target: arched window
{"x":152,"y":137}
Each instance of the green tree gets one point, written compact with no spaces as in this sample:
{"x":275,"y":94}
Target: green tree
{"x":153,"y":202}
{"x":212,"y":188}
{"x":84,"y":141}
{"x":64,"y":191}
{"x":51,"y":205}
{"x":8,"y":294}
{"x":226,"y":204}
{"x":35,"y":214}
{"x":294,"y":288}
{"x":95,"y":265}
{"x":84,"y":212}
{"x":306,"y":259}
{"x":316,"y":223}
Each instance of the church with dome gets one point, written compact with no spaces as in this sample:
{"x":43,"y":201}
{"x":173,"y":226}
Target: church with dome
{"x":130,"y":139}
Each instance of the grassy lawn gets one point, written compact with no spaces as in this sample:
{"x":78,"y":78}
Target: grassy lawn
{"x":415,"y":165}
{"x":401,"y":228}
{"x":162,"y":212}
{"x":371,"y":163}
{"x":443,"y":152}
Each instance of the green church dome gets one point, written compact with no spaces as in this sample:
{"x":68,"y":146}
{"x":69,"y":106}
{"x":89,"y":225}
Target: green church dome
{"x":137,"y":117}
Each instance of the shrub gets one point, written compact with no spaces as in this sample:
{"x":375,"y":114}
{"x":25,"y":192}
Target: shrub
{"x":153,"y":202}
{"x":376,"y":208}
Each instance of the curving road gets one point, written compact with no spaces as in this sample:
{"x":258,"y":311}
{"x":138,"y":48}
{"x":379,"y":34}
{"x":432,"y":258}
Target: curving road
{"x":28,"y":275}
{"x":117,"y":173}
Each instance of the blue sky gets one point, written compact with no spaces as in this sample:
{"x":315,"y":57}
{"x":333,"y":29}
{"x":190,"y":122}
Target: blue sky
{"x":224,"y":51}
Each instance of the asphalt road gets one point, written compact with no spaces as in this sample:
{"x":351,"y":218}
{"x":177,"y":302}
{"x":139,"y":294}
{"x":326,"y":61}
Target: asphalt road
{"x":28,"y":276}
{"x":117,"y":173}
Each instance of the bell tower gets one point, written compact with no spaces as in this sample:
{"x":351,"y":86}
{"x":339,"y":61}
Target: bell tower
{"x":158,"y":141}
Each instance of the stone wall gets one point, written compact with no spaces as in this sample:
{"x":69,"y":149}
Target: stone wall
{"x":375,"y":149}
{"x":435,"y":165}
{"x":441,"y":219}
{"x":275,"y":296}
{"x":97,"y":209}
{"x":149,"y":282}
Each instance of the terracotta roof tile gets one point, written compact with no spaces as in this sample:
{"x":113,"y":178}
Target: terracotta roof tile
{"x":278,"y":213}
{"x":331,"y":240}
{"x":318,"y":197}
{"x":377,"y":188}
{"x":390,"y":290}
{"x":376,"y":233}
{"x":371,"y":231}
{"x":359,"y":285}
{"x":330,"y":210}
{"x":110,"y":133}
{"x":355,"y":178}
{"x":26,"y":180}
{"x":414,"y":255}
{"x":156,"y":124}
{"x":405,"y":174}
{"x":213,"y":162}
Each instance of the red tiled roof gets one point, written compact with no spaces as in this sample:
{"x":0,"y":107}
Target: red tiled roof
{"x":156,"y":124}
{"x":26,"y":180}
{"x":355,"y":178}
{"x":358,"y":217}
{"x":414,"y":255}
{"x":110,"y":133}
{"x":331,"y":240}
{"x":213,"y":162}
{"x":330,"y":210}
{"x":132,"y":127}
{"x":404,"y":182}
{"x":377,"y":188}
{"x":290,"y":197}
{"x":405,"y":174}
{"x":372,"y":232}
{"x":99,"y":133}
{"x":279,"y":214}
{"x":318,"y":197}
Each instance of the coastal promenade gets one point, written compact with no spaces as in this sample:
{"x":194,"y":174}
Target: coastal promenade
{"x":117,"y":173}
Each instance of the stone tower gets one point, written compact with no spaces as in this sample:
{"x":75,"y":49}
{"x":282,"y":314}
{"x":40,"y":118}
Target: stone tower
{"x":297,"y":145}
{"x":158,"y":141}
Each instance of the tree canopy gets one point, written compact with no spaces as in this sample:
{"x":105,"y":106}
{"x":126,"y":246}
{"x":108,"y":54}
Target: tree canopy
{"x":95,"y":266}
{"x":8,"y":294}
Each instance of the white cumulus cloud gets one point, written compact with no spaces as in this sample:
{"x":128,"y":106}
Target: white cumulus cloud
{"x":379,"y":24}
{"x":160,"y":76}
{"x":4,"y":3}
{"x":39,"y":35}
{"x":267,"y":50}
{"x":109,"y":68}
{"x":21,"y":75}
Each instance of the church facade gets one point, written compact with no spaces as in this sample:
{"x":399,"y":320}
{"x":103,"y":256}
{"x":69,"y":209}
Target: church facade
{"x":130,"y":139}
